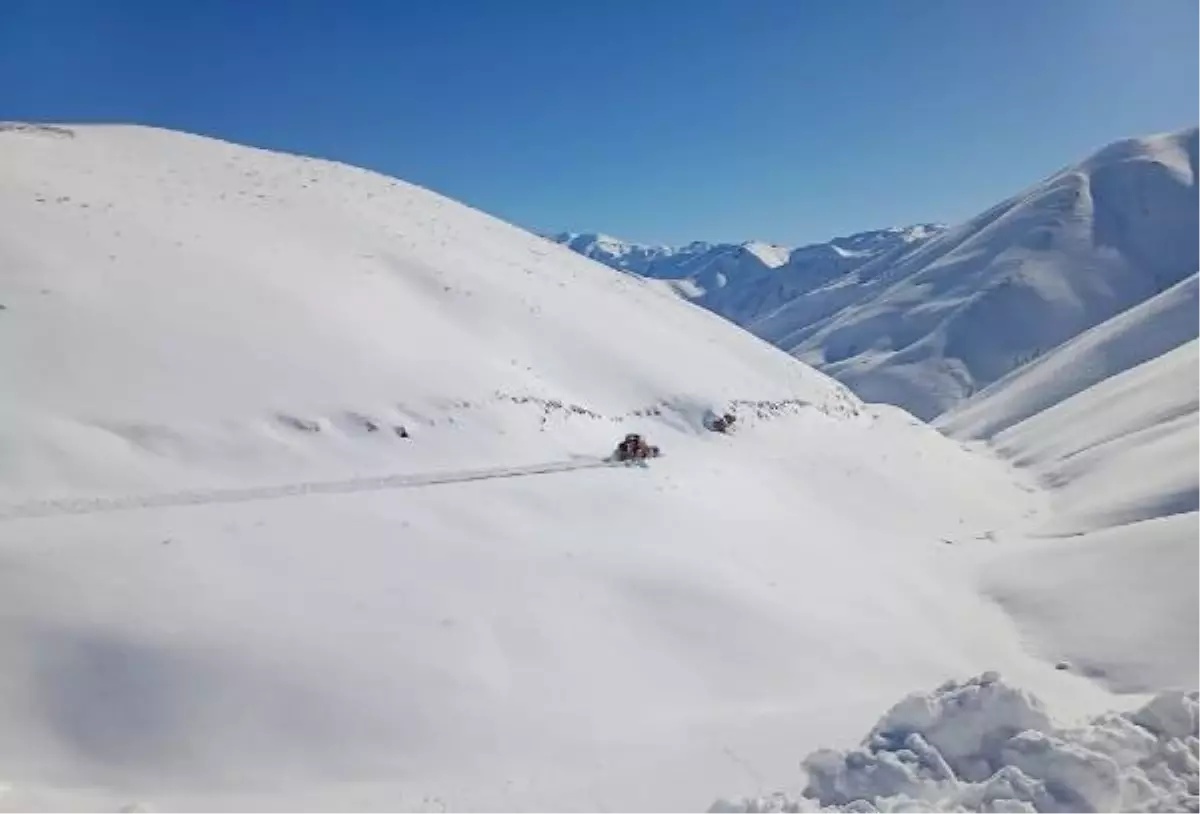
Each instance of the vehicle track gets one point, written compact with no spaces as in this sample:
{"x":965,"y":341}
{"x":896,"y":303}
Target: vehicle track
{"x":204,"y":497}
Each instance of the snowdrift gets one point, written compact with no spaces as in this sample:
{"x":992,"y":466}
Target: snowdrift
{"x":984,"y":745}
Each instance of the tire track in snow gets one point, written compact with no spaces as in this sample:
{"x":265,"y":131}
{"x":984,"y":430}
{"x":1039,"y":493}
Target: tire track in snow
{"x":202,"y":497}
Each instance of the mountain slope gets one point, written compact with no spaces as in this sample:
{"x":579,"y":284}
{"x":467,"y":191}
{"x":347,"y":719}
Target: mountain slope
{"x":1118,"y":599}
{"x":928,"y":328}
{"x":1138,"y":335}
{"x":1120,"y":460}
{"x":1121,"y":451}
{"x":230,"y":581}
{"x":394,"y":304}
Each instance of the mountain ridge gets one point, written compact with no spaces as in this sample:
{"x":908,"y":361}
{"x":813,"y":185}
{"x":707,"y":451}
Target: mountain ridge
{"x":741,"y":281}
{"x":916,"y":316}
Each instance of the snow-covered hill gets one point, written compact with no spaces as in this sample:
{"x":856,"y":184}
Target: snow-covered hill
{"x":1108,"y":423}
{"x":1146,"y":331}
{"x":743,"y":282}
{"x":302,"y":504}
{"x":927,"y":328}
{"x":172,"y":296}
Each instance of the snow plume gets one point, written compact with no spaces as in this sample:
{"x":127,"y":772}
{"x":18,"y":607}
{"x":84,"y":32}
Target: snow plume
{"x":984,"y":745}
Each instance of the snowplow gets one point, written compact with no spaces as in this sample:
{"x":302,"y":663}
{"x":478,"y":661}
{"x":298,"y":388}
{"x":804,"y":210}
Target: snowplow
{"x":633,"y":447}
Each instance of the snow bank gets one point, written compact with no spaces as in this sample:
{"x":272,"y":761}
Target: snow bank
{"x":986,"y":746}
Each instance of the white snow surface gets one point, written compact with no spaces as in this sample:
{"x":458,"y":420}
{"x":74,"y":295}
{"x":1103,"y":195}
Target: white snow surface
{"x":1121,"y":451}
{"x":1138,"y":335}
{"x":1120,"y":459}
{"x":1068,"y":318}
{"x":984,"y":745}
{"x":931,"y":324}
{"x":175,"y":299}
{"x":229,"y":582}
{"x":1107,"y":423}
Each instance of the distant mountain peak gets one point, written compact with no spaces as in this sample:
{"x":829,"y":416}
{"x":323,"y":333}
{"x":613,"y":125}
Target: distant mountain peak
{"x":743,"y":281}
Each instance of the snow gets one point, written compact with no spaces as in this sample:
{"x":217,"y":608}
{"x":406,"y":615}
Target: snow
{"x":743,"y":282}
{"x":1110,"y":586}
{"x":1135,"y":336}
{"x":772,"y":256}
{"x":206,"y":303}
{"x":1107,"y":424}
{"x":1121,"y":451}
{"x":984,"y":745}
{"x":614,"y":252}
{"x":929,"y":325}
{"x":231,"y":581}
{"x":925,"y":316}
{"x":1118,"y":605}
{"x":1120,"y":460}
{"x":500,"y":643}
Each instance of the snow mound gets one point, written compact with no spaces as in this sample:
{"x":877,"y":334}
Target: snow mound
{"x":984,"y":745}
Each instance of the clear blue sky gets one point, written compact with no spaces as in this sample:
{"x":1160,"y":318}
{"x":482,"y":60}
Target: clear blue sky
{"x":655,"y":120}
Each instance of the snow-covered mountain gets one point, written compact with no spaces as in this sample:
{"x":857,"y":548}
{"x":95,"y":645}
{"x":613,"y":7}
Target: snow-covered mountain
{"x":744,"y":281}
{"x":1119,"y":451}
{"x":927,"y":328}
{"x":379,"y":313}
{"x":303,"y":503}
{"x":1140,"y":334}
{"x":925,"y":316}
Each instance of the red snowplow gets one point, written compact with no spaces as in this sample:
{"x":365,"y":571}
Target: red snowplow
{"x":634,"y":448}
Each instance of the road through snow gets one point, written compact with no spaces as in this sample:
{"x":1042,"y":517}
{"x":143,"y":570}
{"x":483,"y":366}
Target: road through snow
{"x":200,"y":497}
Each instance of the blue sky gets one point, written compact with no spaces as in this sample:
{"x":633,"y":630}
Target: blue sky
{"x":654,"y":120}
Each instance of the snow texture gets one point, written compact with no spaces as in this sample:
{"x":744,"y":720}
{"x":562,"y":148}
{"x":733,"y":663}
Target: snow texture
{"x":1143,"y":332}
{"x":984,"y":745}
{"x":1117,"y":598}
{"x":204,"y":302}
{"x":301,"y":505}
